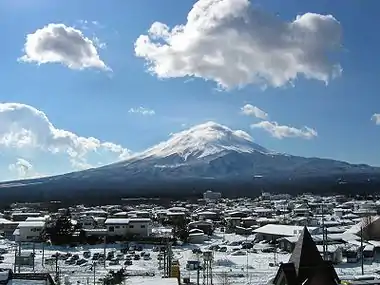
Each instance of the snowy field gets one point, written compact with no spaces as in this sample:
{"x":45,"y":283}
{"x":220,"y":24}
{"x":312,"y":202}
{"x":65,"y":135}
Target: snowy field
{"x":260,"y":265}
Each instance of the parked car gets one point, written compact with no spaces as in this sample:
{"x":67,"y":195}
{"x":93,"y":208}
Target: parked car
{"x":214,"y":247}
{"x":128,"y":257}
{"x":110,"y":255}
{"x":81,"y":261}
{"x":136,"y":257}
{"x":114,"y":261}
{"x":128,"y":262}
{"x":197,"y":250}
{"x":96,"y":256}
{"x":75,"y":257}
{"x":223,"y":249}
{"x":87,"y":254}
{"x":146,"y":256}
{"x":247,"y":245}
{"x":70,"y":261}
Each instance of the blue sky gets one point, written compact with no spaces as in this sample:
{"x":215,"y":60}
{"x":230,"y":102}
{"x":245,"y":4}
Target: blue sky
{"x":85,"y":75}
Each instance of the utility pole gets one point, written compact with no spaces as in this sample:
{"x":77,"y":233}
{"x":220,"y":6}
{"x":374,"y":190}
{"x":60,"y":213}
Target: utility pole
{"x":43,"y":254}
{"x":93,"y":268}
{"x":246,"y":241}
{"x":56,"y":263}
{"x":14,"y":267}
{"x":56,"y":269}
{"x":105,"y":246}
{"x":361,"y":248}
{"x":323,"y":233}
{"x":19,"y":254}
{"x":34,"y":254}
{"x":198,"y":268}
{"x":165,"y":270}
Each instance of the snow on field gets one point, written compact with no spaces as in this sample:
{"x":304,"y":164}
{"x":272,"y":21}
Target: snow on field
{"x":235,"y":266}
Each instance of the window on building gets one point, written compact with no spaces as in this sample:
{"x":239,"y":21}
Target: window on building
{"x":131,"y":226}
{"x":117,"y":227}
{"x":111,"y":229}
{"x":143,"y":226}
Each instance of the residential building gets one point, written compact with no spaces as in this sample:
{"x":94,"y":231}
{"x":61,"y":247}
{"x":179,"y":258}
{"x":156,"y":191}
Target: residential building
{"x":29,"y":231}
{"x":272,"y":232}
{"x":125,"y":227}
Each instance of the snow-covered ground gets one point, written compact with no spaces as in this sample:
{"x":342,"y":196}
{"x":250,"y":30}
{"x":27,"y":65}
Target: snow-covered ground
{"x":260,"y":265}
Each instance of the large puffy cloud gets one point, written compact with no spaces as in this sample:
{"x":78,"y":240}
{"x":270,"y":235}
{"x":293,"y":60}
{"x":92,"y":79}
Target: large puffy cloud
{"x":24,"y":130}
{"x":376,"y":118}
{"x":283,"y":131}
{"x":250,"y":110}
{"x":235,"y":44}
{"x":58,"y":43}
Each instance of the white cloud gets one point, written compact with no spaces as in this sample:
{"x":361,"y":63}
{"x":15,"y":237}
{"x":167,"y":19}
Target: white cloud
{"x":26,"y":130}
{"x":98,"y":43}
{"x":23,"y":169}
{"x":234,"y":44}
{"x":58,"y":43}
{"x":243,"y":134}
{"x":282,"y":131}
{"x":376,"y":118}
{"x":143,"y":111}
{"x":250,"y":110}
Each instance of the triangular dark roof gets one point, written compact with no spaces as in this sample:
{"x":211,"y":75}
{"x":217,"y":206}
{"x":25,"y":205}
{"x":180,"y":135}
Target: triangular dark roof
{"x":308,"y":262}
{"x":305,"y":253}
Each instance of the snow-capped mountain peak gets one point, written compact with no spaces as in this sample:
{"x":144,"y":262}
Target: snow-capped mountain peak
{"x":204,"y":140}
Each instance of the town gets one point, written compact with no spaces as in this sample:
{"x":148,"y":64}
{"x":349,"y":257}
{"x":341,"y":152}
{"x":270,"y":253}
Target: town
{"x":270,"y":239}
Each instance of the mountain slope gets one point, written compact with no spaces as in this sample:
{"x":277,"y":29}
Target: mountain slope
{"x":203,"y":156}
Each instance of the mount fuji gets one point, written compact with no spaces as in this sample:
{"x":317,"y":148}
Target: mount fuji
{"x":208,"y":155}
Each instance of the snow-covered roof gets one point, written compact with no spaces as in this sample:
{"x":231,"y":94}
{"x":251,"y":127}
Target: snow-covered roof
{"x":31,"y":224}
{"x":207,"y":213}
{"x":36,"y":219}
{"x":355,"y":229}
{"x":5,"y":221}
{"x":139,"y":220}
{"x":113,"y":221}
{"x":281,"y":230}
{"x":155,"y":281}
{"x":122,"y":221}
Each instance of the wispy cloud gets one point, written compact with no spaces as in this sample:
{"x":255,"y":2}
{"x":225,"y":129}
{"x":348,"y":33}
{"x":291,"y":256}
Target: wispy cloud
{"x":376,"y":118}
{"x":142,"y":111}
{"x":283,"y":131}
{"x":250,"y":110}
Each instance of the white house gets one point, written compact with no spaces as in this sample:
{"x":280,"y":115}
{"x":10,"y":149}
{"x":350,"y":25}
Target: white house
{"x":131,"y":226}
{"x":272,"y":232}
{"x":28,"y":231}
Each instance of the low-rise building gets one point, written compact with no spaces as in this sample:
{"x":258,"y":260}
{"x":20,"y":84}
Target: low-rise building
{"x":272,"y":232}
{"x":29,"y":231}
{"x":125,"y":227}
